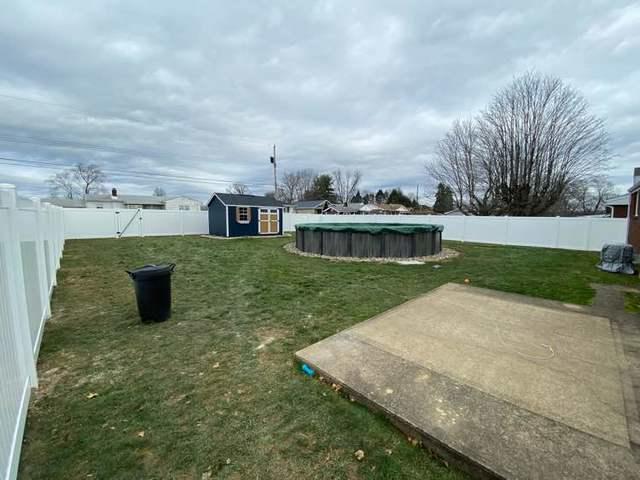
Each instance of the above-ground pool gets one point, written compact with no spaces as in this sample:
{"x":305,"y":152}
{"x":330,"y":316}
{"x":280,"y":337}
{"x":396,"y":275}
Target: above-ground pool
{"x":376,"y":240}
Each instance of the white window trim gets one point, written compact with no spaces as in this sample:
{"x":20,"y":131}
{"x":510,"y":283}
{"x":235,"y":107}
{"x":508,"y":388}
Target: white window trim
{"x":635,"y":207}
{"x":244,"y":222}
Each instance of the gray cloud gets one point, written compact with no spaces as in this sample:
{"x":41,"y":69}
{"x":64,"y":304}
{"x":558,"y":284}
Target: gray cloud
{"x":205,"y":89}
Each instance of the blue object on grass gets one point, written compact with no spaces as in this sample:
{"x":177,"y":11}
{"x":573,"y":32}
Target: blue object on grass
{"x":308,"y":370}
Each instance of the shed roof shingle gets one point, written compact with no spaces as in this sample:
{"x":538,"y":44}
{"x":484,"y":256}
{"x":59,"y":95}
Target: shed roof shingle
{"x":249,"y":200}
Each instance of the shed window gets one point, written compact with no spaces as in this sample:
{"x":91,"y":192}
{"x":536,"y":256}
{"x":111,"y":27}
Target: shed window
{"x":243,"y":215}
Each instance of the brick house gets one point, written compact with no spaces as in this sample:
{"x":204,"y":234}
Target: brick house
{"x":633,"y":218}
{"x":618,"y":207}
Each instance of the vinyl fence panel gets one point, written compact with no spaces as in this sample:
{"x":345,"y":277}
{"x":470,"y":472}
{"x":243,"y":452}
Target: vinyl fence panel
{"x":114,"y":223}
{"x":31,"y":244}
{"x":579,"y":233}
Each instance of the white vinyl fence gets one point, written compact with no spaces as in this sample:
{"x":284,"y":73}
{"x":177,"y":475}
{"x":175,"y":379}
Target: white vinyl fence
{"x":31,"y":243}
{"x":575,"y":233}
{"x":111,"y":223}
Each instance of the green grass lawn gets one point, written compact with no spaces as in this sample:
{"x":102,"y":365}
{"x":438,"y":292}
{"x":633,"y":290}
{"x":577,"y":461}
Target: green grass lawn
{"x":195,"y":398}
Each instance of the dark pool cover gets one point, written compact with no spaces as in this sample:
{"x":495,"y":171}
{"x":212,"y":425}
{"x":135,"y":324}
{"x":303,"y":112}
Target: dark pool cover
{"x":372,"y":228}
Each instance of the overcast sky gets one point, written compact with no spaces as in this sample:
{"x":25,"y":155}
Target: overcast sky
{"x":203,"y":89}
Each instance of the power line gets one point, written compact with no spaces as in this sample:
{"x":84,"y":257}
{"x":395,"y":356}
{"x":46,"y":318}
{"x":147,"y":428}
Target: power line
{"x":33,"y":100}
{"x":126,"y":173}
{"x":49,"y":142}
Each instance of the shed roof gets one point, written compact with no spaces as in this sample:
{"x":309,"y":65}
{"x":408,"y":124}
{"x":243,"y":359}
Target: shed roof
{"x":233,"y":199}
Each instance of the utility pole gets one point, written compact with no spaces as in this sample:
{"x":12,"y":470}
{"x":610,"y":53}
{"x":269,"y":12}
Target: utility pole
{"x":418,"y":194}
{"x":275,"y":175}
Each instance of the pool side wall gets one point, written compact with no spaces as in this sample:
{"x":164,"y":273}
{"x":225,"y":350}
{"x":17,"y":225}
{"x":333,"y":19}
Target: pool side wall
{"x":365,"y":245}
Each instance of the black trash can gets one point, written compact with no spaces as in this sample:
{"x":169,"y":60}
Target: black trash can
{"x":152,"y":284}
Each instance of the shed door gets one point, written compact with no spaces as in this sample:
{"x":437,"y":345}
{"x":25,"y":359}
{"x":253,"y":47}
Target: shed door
{"x":268,"y":220}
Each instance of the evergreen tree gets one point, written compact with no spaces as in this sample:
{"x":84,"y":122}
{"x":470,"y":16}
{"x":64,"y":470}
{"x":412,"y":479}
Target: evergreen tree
{"x":397,"y":196}
{"x":381,"y":197}
{"x":357,"y":198}
{"x":322,"y":189}
{"x":444,"y":199}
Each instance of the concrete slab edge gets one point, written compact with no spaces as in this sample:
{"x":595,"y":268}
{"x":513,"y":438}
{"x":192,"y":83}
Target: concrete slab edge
{"x":448,"y":455}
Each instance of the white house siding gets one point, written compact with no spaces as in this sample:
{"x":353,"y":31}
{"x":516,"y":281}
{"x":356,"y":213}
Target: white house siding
{"x":99,"y":204}
{"x":182,"y":203}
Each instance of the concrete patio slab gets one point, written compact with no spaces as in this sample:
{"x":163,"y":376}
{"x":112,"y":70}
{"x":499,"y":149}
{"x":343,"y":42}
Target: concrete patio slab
{"x":514,"y":386}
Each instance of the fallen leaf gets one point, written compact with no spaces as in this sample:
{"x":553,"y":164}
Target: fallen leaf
{"x":216,"y":365}
{"x":388,"y":451}
{"x":228,"y":461}
{"x":359,"y":454}
{"x":141,"y":434}
{"x":92,"y":395}
{"x":207,"y":475}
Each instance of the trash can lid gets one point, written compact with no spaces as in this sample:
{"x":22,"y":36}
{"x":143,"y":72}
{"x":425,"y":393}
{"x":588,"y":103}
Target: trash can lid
{"x":149,"y":271}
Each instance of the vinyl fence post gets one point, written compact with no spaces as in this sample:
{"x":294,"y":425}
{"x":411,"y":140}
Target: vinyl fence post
{"x":181,"y":222}
{"x":11,"y":269}
{"x":464,"y":227}
{"x":40,"y":260}
{"x":506,"y":230}
{"x":50,"y":246}
{"x":588,"y":239}
{"x":557,"y":242}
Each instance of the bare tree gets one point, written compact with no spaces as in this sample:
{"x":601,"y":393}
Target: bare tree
{"x":519,"y":156}
{"x":294,"y":185}
{"x":346,"y":183}
{"x":81,"y":179}
{"x":288,"y":187}
{"x":586,"y":197}
{"x":88,"y":176}
{"x":62,"y":184}
{"x":159,"y":192}
{"x":239,"y":188}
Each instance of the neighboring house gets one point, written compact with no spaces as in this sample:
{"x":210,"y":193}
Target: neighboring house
{"x":633,"y":219}
{"x":349,"y":209}
{"x":115,"y":201}
{"x":455,"y":211}
{"x":394,"y":209}
{"x":618,"y":207}
{"x":367,"y":209}
{"x":64,"y":202}
{"x":181,"y":203}
{"x":371,"y":208}
{"x":232,"y":215}
{"x":309,"y":206}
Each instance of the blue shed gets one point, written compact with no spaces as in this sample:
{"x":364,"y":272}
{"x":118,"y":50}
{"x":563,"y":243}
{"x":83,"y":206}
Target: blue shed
{"x":232,"y":215}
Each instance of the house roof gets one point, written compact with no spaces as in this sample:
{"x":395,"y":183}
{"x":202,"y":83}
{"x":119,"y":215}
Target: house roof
{"x":620,"y":200}
{"x":233,"y":199}
{"x":309,"y":203}
{"x":65,"y":202}
{"x":181,"y":197}
{"x":127,"y":199}
{"x":352,"y":208}
{"x":393,"y":207}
